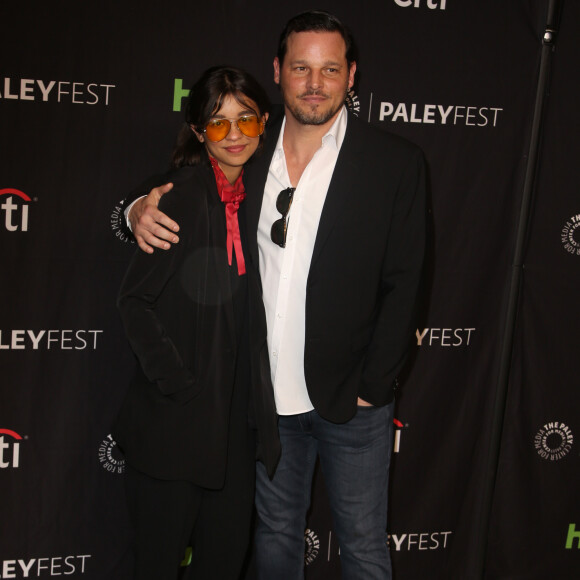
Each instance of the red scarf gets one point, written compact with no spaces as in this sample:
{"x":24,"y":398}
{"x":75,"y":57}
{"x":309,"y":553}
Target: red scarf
{"x":232,"y":196}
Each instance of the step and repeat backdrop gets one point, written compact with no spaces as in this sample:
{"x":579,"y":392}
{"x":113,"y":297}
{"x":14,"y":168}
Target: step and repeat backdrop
{"x":91,"y":97}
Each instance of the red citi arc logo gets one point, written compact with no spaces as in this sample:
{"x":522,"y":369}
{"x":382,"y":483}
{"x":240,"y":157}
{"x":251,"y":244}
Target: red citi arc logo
{"x":9,"y":450}
{"x":397,"y":443}
{"x":15,"y":214}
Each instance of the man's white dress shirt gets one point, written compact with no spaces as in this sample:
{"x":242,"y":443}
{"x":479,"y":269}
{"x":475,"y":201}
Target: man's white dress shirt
{"x":284,"y":271}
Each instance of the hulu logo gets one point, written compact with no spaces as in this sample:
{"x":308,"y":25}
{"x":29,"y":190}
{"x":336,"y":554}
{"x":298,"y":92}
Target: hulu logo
{"x":179,"y":93}
{"x":187,"y":559}
{"x":572,"y":535}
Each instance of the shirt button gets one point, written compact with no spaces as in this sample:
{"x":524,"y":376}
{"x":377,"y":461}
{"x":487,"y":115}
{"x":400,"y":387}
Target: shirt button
{"x":274,"y":353}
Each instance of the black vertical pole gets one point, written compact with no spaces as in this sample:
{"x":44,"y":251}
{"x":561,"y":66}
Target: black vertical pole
{"x":492,"y":462}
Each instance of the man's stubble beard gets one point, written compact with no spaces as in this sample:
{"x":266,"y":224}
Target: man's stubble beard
{"x":312,"y":117}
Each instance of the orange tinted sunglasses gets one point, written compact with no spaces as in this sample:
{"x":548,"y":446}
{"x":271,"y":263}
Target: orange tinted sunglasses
{"x":249,"y":125}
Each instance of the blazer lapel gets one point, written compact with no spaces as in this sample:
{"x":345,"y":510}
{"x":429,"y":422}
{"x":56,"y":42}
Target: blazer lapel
{"x":217,"y":244}
{"x":342,"y":185}
{"x":255,"y":176}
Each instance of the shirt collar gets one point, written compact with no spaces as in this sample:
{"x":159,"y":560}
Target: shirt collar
{"x":333,"y":138}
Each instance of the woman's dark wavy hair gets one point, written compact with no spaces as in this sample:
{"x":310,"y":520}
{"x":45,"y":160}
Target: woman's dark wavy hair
{"x":205,"y":100}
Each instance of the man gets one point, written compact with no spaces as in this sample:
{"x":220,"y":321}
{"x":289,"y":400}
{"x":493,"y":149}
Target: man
{"x":336,"y":220}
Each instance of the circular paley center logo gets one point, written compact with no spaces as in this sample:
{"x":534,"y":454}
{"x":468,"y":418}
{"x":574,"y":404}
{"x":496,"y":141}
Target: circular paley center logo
{"x":353,"y":103}
{"x":110,"y":457}
{"x":118,"y":223}
{"x":553,"y":441}
{"x":311,"y":546}
{"x":570,"y":235}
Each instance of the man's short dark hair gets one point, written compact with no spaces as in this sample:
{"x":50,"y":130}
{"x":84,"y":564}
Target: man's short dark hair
{"x":316,"y":21}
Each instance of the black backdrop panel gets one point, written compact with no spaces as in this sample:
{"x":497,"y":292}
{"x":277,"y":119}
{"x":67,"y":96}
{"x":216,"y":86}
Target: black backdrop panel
{"x":89,"y":107}
{"x":539,"y":469}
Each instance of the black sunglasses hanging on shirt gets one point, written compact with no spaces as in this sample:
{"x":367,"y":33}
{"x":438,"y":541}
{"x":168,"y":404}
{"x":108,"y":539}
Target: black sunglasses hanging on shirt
{"x":279,"y":227}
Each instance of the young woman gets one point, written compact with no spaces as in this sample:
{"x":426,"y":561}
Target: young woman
{"x":183,"y":427}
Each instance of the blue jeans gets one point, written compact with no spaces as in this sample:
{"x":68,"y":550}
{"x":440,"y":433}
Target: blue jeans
{"x":354,"y":458}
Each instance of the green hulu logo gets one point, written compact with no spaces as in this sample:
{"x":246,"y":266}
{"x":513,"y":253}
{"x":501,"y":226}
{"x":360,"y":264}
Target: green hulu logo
{"x":572,"y":535}
{"x":179,"y":93}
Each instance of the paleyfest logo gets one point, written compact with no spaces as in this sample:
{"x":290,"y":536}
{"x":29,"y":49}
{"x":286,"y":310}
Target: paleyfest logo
{"x":570,"y":235}
{"x":554,"y":441}
{"x":353,"y":103}
{"x":15,"y":209}
{"x":53,"y":339}
{"x":420,"y":541}
{"x":78,"y":93}
{"x":438,"y":114}
{"x":42,"y":567}
{"x":9,"y":449}
{"x":311,"y":546}
{"x":406,"y":542}
{"x":109,"y":456}
{"x":453,"y":337}
{"x":118,"y":224}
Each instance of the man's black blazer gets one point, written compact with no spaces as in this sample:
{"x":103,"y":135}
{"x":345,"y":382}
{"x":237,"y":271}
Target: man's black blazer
{"x":365,"y":273}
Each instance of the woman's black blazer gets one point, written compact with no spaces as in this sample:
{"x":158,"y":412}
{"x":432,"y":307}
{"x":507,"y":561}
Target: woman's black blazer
{"x":177,"y":310}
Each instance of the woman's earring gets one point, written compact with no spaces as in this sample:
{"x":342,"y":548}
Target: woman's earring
{"x":197,"y":134}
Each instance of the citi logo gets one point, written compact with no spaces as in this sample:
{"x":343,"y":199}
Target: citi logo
{"x":9,"y":449}
{"x":398,"y":428}
{"x":431,"y":4}
{"x":15,"y":214}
